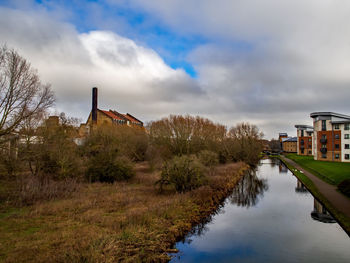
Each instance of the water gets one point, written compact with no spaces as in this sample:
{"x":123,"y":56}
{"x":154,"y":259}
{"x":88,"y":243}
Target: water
{"x":270,"y":217}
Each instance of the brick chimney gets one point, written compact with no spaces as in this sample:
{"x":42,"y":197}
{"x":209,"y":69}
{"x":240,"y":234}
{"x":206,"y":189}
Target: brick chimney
{"x":94,"y":105}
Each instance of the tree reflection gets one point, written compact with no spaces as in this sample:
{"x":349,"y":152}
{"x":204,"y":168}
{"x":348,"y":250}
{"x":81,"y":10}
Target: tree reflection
{"x":201,"y":228}
{"x":248,"y":190}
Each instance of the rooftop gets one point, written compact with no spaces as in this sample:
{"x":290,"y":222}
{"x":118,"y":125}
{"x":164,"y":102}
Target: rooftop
{"x":325,"y":113}
{"x":290,"y":139}
{"x":122,"y":117}
{"x":303,"y":127}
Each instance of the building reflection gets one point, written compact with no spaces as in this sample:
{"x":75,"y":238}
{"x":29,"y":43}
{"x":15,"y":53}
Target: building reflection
{"x":300,"y":188}
{"x":321,"y":214}
{"x":248,"y":190}
{"x":282,"y":168}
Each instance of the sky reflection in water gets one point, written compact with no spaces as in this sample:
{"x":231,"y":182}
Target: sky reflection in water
{"x":267,"y":219}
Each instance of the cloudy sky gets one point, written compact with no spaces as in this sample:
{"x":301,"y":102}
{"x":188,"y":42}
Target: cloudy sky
{"x":269,"y":62}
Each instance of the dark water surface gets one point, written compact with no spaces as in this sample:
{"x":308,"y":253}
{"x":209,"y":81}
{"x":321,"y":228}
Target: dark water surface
{"x":270,"y":217}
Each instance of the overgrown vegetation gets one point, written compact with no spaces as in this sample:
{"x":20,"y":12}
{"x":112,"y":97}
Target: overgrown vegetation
{"x":184,"y":173}
{"x":186,"y":135}
{"x":121,"y":222}
{"x":99,"y":201}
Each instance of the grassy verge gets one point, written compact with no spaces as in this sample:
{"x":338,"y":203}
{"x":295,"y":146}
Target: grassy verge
{"x":331,"y":172}
{"x":343,"y":220}
{"x":121,"y":222}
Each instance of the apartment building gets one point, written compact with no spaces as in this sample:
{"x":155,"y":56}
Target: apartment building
{"x":331,"y":138}
{"x":289,"y":144}
{"x":304,"y":139}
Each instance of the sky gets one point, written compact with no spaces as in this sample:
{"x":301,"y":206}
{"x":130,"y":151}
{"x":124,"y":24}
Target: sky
{"x":267,"y":62}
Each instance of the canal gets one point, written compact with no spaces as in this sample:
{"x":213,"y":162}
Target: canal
{"x":270,"y":217}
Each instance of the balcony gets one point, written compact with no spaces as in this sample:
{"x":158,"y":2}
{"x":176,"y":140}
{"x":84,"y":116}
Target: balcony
{"x":323,"y":150}
{"x":323,"y":140}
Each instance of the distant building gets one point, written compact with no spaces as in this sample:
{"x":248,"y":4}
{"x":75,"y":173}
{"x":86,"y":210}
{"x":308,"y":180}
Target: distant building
{"x":282,"y":135}
{"x":99,"y":117}
{"x":289,"y":144}
{"x":305,"y":139}
{"x":331,"y":137}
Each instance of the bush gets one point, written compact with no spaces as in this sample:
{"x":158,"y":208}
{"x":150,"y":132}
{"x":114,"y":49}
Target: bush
{"x":208,"y":158}
{"x":105,"y":170}
{"x":33,"y":189}
{"x":344,"y":187}
{"x":184,"y":173}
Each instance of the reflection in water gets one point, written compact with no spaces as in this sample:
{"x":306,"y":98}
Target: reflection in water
{"x":283,"y":168}
{"x":279,"y":229}
{"x":300,"y":187}
{"x":201,"y":228}
{"x":321,"y":214}
{"x":248,"y":190}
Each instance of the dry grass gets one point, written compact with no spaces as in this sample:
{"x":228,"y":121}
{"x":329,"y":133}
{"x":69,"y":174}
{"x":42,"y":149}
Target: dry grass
{"x":121,"y":222}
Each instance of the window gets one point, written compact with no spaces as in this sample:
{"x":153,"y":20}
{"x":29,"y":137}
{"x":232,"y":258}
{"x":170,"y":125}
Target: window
{"x":347,"y":146}
{"x":337,"y":156}
{"x":324,"y":155}
{"x":324,"y":125}
{"x":324,"y":146}
{"x":337,"y":146}
{"x":302,"y":133}
{"x":347,"y":126}
{"x":324,"y":136}
{"x":336,"y":136}
{"x":346,"y":156}
{"x":336,"y":126}
{"x":310,"y":152}
{"x":346,"y":136}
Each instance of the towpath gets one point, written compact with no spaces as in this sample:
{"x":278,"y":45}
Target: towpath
{"x":338,"y":200}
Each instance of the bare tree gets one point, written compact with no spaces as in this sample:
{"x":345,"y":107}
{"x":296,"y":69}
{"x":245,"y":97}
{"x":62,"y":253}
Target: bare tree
{"x":22,"y":95}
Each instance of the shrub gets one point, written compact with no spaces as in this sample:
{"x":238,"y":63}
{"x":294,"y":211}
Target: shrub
{"x":344,"y":187}
{"x":106,"y":170}
{"x":208,"y":158}
{"x":32,"y":189}
{"x":184,"y":173}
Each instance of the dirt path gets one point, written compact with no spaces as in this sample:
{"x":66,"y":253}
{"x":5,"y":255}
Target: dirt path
{"x":338,"y":200}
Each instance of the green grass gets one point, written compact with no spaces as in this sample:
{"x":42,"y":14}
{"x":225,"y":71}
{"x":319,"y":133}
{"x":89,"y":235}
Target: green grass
{"x":331,"y":172}
{"x":343,"y":220}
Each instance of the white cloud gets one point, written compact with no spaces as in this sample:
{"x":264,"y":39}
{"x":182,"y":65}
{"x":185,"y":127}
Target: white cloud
{"x":130,"y":77}
{"x":269,"y":62}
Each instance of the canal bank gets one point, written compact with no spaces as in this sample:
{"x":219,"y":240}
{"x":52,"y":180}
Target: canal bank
{"x":269,"y":217}
{"x":337,"y":203}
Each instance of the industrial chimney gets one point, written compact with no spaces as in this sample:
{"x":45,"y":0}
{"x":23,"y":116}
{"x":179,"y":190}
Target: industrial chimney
{"x":94,"y":105}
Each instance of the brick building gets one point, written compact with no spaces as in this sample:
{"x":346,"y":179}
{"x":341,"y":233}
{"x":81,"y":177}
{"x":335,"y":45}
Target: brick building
{"x":99,"y":117}
{"x":289,"y":144}
{"x":331,"y":137}
{"x":304,"y":139}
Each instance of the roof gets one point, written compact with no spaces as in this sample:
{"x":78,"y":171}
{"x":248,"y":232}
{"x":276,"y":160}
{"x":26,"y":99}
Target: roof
{"x":303,"y":127}
{"x":325,"y":113}
{"x":290,"y":139}
{"x":123,"y":117}
{"x":283,"y":134}
{"x":128,"y":118}
{"x":111,"y":115}
{"x":135,"y":119}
